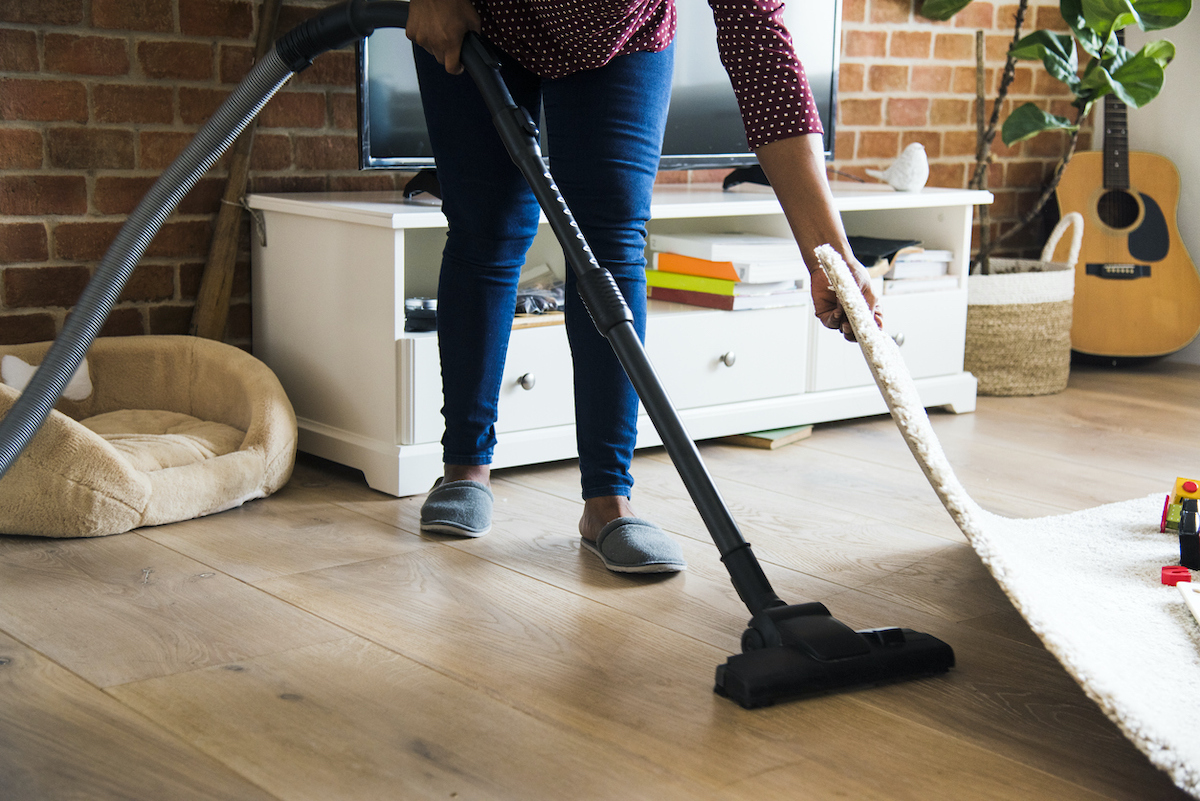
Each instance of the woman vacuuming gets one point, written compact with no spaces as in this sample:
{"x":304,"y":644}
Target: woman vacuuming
{"x":600,"y":71}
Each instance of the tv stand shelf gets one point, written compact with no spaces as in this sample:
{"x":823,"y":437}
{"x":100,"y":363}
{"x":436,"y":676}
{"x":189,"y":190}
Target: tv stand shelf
{"x":328,"y":300}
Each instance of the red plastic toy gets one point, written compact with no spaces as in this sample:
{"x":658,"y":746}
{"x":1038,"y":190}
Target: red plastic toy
{"x":1175,"y":574}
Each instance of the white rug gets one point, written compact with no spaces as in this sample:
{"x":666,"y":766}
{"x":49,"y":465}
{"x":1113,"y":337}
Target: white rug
{"x":1088,"y":583}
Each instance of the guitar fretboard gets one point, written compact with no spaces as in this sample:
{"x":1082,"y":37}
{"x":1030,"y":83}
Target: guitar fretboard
{"x":1116,"y":144}
{"x":1116,"y":138}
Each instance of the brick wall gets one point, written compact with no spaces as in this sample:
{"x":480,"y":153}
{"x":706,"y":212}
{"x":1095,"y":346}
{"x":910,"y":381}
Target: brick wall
{"x":98,"y":96}
{"x":905,"y":79}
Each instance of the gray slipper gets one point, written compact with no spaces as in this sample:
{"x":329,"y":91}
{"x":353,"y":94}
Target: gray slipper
{"x":463,"y":508}
{"x":633,"y":545}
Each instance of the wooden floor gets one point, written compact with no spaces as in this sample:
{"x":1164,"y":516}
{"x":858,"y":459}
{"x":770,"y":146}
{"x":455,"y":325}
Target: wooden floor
{"x":313,"y":645}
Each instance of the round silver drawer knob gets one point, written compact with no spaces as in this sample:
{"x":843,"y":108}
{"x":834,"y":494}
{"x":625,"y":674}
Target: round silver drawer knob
{"x":898,"y":338}
{"x":729,"y":359}
{"x":527,"y":381}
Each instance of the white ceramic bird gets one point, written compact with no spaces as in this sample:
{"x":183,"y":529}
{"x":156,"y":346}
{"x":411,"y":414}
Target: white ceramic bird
{"x":907,"y":173}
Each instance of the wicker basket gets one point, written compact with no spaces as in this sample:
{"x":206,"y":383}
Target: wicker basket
{"x":1019,"y":320}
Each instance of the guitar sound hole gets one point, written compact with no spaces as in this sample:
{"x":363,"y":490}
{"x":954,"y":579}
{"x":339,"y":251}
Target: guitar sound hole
{"x":1117,"y":209}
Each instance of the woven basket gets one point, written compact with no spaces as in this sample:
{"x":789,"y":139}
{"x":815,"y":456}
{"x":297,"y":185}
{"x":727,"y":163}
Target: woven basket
{"x":1019,"y":320}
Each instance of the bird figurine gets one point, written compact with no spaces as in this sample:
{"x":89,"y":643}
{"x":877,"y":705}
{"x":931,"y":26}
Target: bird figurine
{"x":907,"y":173}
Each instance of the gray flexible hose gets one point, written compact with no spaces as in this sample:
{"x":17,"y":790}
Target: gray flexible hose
{"x":82,"y":326}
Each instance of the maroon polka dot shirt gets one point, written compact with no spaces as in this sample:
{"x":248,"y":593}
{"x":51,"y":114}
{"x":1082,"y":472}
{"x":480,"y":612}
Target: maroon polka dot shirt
{"x":553,"y":38}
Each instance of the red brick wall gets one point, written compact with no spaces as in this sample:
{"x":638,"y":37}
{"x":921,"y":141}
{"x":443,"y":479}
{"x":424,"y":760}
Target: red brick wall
{"x":98,"y":96}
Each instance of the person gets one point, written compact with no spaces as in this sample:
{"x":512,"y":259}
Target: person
{"x":601,"y":73}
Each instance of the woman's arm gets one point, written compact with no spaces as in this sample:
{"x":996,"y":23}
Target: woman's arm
{"x":796,"y":169}
{"x":784,"y":131}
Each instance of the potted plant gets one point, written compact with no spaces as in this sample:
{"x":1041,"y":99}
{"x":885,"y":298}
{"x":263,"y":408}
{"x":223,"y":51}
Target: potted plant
{"x":1019,"y":310}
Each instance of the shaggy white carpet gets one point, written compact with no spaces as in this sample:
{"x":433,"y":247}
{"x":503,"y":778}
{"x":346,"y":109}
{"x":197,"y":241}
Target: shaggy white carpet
{"x":1130,"y":641}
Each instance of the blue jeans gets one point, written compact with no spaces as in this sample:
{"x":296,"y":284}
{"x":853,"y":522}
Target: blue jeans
{"x":604,"y":134}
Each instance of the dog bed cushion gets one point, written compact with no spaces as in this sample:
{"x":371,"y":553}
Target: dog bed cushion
{"x":173,"y":428}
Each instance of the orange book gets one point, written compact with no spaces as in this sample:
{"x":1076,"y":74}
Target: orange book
{"x":753,"y":272}
{"x":674,"y":263}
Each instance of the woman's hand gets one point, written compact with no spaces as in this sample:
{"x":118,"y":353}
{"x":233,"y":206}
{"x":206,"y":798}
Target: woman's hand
{"x":825,"y":302}
{"x":440,"y":26}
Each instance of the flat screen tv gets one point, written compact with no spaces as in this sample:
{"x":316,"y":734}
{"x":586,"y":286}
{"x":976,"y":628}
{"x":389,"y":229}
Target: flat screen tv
{"x":704,"y":127}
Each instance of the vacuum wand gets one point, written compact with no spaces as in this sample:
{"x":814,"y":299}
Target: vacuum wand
{"x":614,"y":320}
{"x":787,"y":650}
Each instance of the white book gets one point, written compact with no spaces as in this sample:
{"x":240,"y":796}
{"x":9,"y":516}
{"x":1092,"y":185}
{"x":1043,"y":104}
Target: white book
{"x":770,"y":288}
{"x":917,"y":269}
{"x":921,"y":254}
{"x":908,"y":285}
{"x":735,"y":247}
{"x":760,"y":272}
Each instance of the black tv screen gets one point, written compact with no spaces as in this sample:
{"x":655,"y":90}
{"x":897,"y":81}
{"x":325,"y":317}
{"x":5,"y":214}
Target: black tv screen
{"x":704,"y":127}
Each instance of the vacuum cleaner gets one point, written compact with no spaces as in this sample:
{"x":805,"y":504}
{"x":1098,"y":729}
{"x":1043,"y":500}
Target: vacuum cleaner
{"x":787,"y":650}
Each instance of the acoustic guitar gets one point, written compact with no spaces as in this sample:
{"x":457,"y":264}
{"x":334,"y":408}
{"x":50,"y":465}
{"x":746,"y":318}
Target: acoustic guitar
{"x":1137,"y":293}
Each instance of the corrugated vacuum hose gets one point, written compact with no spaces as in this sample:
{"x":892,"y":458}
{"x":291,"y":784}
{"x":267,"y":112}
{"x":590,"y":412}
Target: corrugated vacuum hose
{"x":331,"y":29}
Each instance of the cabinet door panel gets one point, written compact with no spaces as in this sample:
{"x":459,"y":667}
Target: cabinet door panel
{"x":706,"y":358}
{"x":931,"y":326}
{"x":420,"y":391}
{"x":535,"y":391}
{"x":537,"y":388}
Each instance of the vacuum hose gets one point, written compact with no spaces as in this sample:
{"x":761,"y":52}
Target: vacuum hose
{"x":333,"y":28}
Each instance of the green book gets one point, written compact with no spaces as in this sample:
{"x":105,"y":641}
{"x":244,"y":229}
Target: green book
{"x":714,"y":286}
{"x":770,"y":440}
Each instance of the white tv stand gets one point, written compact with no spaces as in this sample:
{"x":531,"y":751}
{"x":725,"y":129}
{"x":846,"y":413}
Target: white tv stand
{"x":328,"y":299}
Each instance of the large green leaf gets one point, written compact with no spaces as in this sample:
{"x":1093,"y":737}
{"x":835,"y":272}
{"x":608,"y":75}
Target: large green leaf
{"x":1055,"y":50}
{"x":1162,"y":51}
{"x":942,"y":9}
{"x":1089,"y":40}
{"x":1135,"y":82}
{"x":1028,"y":121}
{"x":1116,"y":55}
{"x":1141,"y":78}
{"x":1105,"y":16}
{"x":1096,"y":84}
{"x":1159,"y":14}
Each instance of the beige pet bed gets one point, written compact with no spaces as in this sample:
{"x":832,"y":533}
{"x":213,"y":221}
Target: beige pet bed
{"x":151,"y":430}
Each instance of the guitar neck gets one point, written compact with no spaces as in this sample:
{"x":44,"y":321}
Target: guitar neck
{"x":1116,"y":144}
{"x":1116,"y":138}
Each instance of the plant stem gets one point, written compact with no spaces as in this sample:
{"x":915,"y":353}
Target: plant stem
{"x":984,"y":136}
{"x":1046,"y":193}
{"x":984,"y":144}
{"x":980,"y":179}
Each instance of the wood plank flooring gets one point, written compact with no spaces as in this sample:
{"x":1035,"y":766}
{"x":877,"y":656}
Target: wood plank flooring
{"x":314,"y":645}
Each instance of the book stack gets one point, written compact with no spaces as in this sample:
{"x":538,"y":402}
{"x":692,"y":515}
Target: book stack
{"x":915,"y":269}
{"x":726,"y":271}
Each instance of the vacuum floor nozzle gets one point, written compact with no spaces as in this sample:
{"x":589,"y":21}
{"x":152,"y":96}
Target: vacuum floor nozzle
{"x":831,"y":657}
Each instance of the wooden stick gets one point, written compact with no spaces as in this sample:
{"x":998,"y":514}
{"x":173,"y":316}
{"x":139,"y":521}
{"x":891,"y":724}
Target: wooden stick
{"x":212,"y":302}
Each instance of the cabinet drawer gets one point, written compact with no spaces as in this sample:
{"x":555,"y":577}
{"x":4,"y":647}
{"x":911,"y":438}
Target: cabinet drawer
{"x":535,"y":392}
{"x":705,"y":358}
{"x":931,"y":326}
{"x":537,"y":389}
